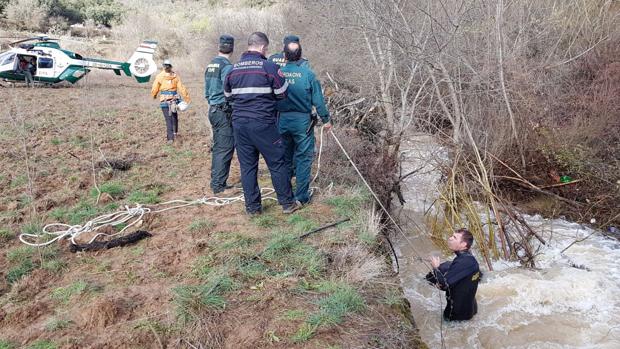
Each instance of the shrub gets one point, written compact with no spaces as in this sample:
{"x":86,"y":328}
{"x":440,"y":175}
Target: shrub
{"x":3,"y":4}
{"x":43,"y":344}
{"x":105,"y":12}
{"x":201,"y":226}
{"x":6,"y":344}
{"x":16,"y":273}
{"x":341,"y":301}
{"x":57,"y":324}
{"x":64,"y":294}
{"x":6,"y":234}
{"x":286,"y":252}
{"x":26,"y":14}
{"x":115,"y":189}
{"x":20,"y":254}
{"x":42,"y":15}
{"x":144,"y":197}
{"x":192,"y":300}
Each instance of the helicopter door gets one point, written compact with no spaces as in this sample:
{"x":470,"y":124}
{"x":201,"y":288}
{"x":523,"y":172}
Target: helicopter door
{"x":45,"y":67}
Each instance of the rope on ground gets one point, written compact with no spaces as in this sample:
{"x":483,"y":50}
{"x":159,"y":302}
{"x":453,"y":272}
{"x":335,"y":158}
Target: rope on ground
{"x":131,"y":216}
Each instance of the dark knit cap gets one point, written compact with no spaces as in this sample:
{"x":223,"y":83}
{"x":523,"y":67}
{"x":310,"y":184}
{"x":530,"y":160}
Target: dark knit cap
{"x":227,"y":43}
{"x":290,"y":38}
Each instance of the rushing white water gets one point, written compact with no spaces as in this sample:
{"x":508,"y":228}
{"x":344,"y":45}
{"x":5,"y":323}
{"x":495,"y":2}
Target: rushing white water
{"x":572,"y":299}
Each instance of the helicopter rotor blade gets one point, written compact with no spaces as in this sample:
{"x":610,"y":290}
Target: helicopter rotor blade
{"x":40,"y":38}
{"x":20,"y":41}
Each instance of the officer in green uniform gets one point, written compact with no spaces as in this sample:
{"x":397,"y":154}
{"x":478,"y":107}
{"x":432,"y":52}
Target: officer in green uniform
{"x":296,"y":122}
{"x":220,"y":115}
{"x":279,"y":58}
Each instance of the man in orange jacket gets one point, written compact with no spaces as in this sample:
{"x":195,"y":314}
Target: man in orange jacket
{"x":171,"y":90}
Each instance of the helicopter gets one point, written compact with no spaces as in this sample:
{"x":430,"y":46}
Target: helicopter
{"x":50,"y":64}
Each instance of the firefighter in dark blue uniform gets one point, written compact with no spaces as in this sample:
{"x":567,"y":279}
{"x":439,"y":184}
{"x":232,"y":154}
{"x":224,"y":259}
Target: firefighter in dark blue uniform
{"x":220,"y":114}
{"x":459,"y":278}
{"x":253,"y":86}
{"x":296,"y":122}
{"x":280,"y":59}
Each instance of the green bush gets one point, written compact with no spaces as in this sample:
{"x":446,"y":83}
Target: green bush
{"x":18,"y":272}
{"x":342,"y":300}
{"x":3,"y":4}
{"x":148,"y":197}
{"x":6,"y":344}
{"x":20,"y":254}
{"x":6,"y":234}
{"x":26,"y":14}
{"x":80,"y":212}
{"x":57,"y":324}
{"x":347,"y":205}
{"x":45,"y":14}
{"x":105,"y":12}
{"x":192,"y":300}
{"x":287,"y":253}
{"x":115,"y":190}
{"x":201,"y":225}
{"x":43,"y":344}
{"x":259,"y":3}
{"x":64,"y":294}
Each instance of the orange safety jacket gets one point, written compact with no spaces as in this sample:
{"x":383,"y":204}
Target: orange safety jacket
{"x":169,"y":86}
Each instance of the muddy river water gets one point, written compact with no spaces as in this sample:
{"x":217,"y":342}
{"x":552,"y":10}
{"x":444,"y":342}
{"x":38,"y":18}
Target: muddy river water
{"x":555,"y":306}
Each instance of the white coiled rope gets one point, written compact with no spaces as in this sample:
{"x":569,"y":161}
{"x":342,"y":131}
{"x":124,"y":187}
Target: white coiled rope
{"x":132,"y":216}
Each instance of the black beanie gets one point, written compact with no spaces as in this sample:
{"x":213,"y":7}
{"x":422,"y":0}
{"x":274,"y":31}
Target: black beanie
{"x":227,"y":43}
{"x":290,"y":38}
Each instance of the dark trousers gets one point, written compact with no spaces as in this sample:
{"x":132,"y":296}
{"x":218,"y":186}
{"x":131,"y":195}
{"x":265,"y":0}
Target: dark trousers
{"x":172,"y":123}
{"x":223,"y":147}
{"x":299,"y":144}
{"x":254,"y":138}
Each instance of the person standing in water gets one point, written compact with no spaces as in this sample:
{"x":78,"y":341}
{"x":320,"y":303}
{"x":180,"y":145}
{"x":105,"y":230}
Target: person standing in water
{"x":458,"y":278}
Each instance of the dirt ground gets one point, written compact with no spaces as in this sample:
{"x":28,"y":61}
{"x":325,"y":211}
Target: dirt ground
{"x":54,"y":144}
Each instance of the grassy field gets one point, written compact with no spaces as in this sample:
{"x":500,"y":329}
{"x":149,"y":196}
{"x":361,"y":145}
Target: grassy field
{"x":209,"y":277}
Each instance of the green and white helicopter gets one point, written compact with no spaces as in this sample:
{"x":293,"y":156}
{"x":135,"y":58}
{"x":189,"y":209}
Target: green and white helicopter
{"x":50,"y":64}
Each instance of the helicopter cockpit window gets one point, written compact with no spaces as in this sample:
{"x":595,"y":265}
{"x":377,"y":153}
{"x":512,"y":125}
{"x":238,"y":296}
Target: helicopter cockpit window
{"x":46,"y":63}
{"x":7,"y":58}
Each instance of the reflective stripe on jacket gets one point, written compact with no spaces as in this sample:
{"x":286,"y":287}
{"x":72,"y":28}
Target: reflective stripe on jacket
{"x":253,"y":86}
{"x":280,"y":60}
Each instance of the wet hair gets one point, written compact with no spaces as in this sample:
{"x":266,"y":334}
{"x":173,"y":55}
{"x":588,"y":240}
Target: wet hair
{"x":258,"y":39}
{"x":466,"y":236}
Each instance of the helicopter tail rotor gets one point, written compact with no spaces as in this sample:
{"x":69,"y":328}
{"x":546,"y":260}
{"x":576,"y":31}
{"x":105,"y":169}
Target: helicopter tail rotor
{"x":141,"y":63}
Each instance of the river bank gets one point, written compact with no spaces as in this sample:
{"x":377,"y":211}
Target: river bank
{"x":568,"y":301}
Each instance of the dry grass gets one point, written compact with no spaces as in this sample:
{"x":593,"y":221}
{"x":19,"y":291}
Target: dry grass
{"x":132,"y":304}
{"x":104,"y":312}
{"x":361,"y":266}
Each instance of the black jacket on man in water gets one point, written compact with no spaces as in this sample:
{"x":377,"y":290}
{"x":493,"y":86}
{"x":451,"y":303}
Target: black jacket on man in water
{"x":459,"y":279}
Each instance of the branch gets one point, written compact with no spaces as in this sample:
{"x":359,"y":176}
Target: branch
{"x":323,"y":228}
{"x":577,"y":56}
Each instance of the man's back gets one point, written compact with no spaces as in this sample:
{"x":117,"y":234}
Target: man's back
{"x":215,"y":74}
{"x":254,"y":84}
{"x":299,"y":91}
{"x":304,"y":90}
